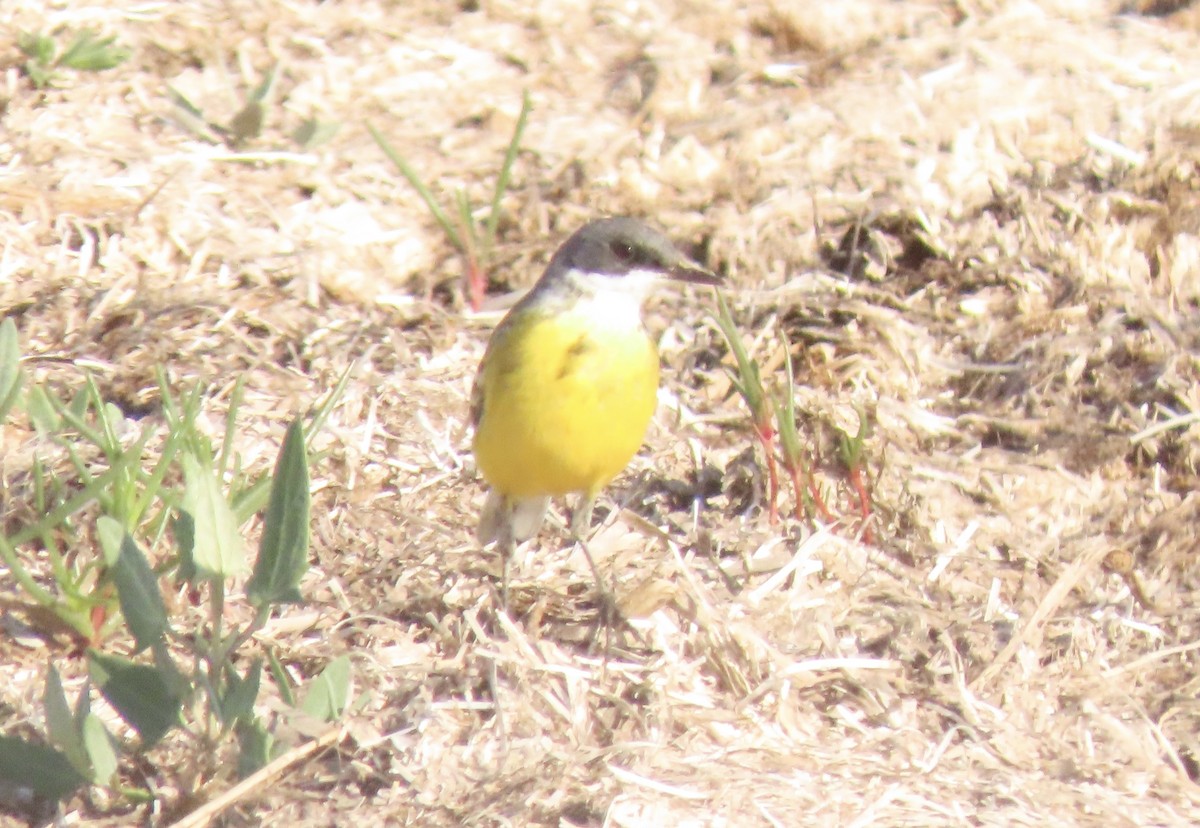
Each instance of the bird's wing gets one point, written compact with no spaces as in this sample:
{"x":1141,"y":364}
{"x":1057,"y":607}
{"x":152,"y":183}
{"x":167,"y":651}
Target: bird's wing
{"x":477,"y":394}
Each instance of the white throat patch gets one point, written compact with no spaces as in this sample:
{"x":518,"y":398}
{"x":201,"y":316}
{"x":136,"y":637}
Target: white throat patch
{"x":612,"y":301}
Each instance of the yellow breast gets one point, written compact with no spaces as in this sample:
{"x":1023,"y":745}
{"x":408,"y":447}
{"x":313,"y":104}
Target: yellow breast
{"x":565,"y":401}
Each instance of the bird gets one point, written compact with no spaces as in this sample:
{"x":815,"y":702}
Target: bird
{"x":569,"y":380}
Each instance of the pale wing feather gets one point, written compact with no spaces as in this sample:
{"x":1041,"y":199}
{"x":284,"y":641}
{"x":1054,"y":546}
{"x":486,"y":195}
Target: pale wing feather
{"x":522,"y":518}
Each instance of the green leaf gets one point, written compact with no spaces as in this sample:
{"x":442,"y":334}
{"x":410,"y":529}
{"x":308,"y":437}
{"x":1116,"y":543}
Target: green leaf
{"x":238,"y":704}
{"x":184,"y":529}
{"x":180,"y":100}
{"x":42,"y":769}
{"x":99,"y":746}
{"x":248,"y":122}
{"x":283,"y":682}
{"x":414,"y":181}
{"x":137,"y":585}
{"x":40,"y":75}
{"x":38,"y":47}
{"x":313,"y":133}
{"x":42,"y":410}
{"x":91,"y":54}
{"x":283,"y":553}
{"x":250,"y":501}
{"x":10,"y":367}
{"x":141,"y":694}
{"x":261,"y":91}
{"x":329,"y":692}
{"x":217,"y":550}
{"x":254,"y":747}
{"x":502,"y":178}
{"x":60,"y":723}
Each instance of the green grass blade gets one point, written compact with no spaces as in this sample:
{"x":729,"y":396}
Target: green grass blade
{"x":11,"y":376}
{"x":747,"y":382}
{"x":785,"y":415}
{"x":326,"y":406}
{"x":8,"y":554}
{"x":261,"y":91}
{"x":467,"y":221}
{"x":502,"y":179}
{"x":250,"y":501}
{"x":42,"y":411}
{"x":414,"y":180}
{"x":282,"y":682}
{"x":235,"y":403}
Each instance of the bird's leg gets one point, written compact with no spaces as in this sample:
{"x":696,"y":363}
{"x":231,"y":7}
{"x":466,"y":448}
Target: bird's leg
{"x":581,"y":521}
{"x":581,"y":518}
{"x":506,"y":545}
{"x":580,"y":525}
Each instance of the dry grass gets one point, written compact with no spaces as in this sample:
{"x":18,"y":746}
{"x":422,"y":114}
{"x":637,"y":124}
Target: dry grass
{"x":1020,"y":646}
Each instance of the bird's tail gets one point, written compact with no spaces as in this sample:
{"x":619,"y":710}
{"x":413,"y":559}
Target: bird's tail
{"x":521,"y":517}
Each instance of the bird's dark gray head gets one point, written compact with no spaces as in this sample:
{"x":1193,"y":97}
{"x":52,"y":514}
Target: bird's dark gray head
{"x":620,"y":246}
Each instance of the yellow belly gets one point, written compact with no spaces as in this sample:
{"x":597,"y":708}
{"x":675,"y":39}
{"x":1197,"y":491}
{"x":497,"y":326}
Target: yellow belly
{"x":565,"y":407}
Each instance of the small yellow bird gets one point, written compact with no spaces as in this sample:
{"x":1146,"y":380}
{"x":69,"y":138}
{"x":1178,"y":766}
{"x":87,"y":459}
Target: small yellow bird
{"x":569,"y":381}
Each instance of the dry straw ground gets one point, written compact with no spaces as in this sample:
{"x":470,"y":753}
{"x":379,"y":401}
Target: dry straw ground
{"x":1020,"y":645}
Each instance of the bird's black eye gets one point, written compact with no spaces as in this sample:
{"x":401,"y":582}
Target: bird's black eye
{"x":623,"y":251}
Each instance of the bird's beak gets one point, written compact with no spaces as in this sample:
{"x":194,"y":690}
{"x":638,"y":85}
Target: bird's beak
{"x":687,"y":271}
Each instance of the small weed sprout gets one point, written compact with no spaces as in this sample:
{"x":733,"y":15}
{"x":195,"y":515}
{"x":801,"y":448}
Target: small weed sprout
{"x":88,"y":52}
{"x":472,"y":239}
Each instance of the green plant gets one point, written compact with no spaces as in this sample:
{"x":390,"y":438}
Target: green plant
{"x":851,"y":452}
{"x":473,"y":240}
{"x":748,"y":382}
{"x":87,"y":53}
{"x":809,"y":500}
{"x":247,"y":123}
{"x":94,"y":522}
{"x":773,"y":417}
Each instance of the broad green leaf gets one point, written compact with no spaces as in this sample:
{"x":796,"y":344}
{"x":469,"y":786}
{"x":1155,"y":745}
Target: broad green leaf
{"x":137,"y":585}
{"x":60,"y":723}
{"x":254,"y":747}
{"x":238,"y":704}
{"x":283,"y":553}
{"x":217,"y":550}
{"x":42,"y":769}
{"x":10,"y":367}
{"x":141,"y":694}
{"x":99,"y":747}
{"x":329,"y":692}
